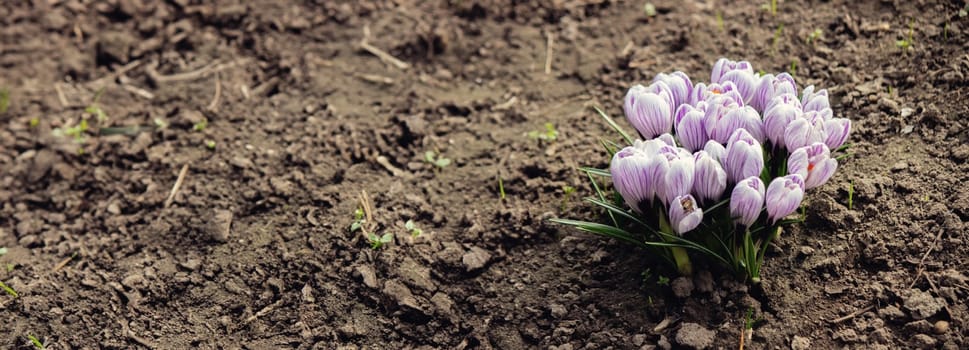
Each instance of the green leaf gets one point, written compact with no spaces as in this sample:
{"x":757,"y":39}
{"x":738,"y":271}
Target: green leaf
{"x":9,"y":290}
{"x":596,"y":171}
{"x":355,"y":226}
{"x":612,"y":208}
{"x":387,"y":238}
{"x":429,"y":156}
{"x":409,"y":225}
{"x":595,"y":186}
{"x":600,"y":229}
{"x":3,"y":251}
{"x":612,"y":123}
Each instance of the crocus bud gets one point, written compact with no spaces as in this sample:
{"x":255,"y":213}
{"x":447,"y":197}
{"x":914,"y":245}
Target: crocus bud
{"x":752,"y":122}
{"x":680,"y":86}
{"x":803,"y":131}
{"x":744,"y":157}
{"x":746,"y":83}
{"x":724,"y":66}
{"x":784,"y":195}
{"x":771,"y":86}
{"x":685,"y":214}
{"x":678,"y":179}
{"x":633,"y":175}
{"x":717,"y":120}
{"x":650,"y":109}
{"x":817,"y":101}
{"x":715,"y":150}
{"x":813,"y":163}
{"x":836,"y":132}
{"x":666,"y":138}
{"x":709,"y":178}
{"x":781,"y":111}
{"x":689,"y":127}
{"x":747,"y":200}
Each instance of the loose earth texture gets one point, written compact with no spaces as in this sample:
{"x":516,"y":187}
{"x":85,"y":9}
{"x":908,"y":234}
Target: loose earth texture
{"x":282,"y":114}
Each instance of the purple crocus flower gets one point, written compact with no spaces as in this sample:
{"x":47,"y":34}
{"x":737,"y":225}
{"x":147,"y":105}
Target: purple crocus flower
{"x":752,"y":122}
{"x":718,"y":121}
{"x":781,"y":111}
{"x":747,"y":200}
{"x":803,"y":131}
{"x":685,"y":214}
{"x":771,"y":86}
{"x":634,"y":174}
{"x":813,"y":163}
{"x":702,"y":92}
{"x":650,"y":109}
{"x":667,"y":139}
{"x":689,"y":127}
{"x":680,"y":86}
{"x":745,"y":81}
{"x":783,"y":197}
{"x":677,"y":180}
{"x":709,"y":178}
{"x":715,"y":150}
{"x":744,"y":157}
{"x":836,"y":132}
{"x":816,"y":101}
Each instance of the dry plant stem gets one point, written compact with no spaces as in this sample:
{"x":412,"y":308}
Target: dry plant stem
{"x":383,"y":161}
{"x":60,"y":95}
{"x":944,"y":302}
{"x":62,"y":264}
{"x":548,"y":52}
{"x":261,"y":313}
{"x":131,"y":335}
{"x":852,"y":315}
{"x":743,"y":333}
{"x":138,"y":91}
{"x":210,"y":68}
{"x":178,"y":184}
{"x":921,"y":267}
{"x":214,"y":105}
{"x":96,"y":84}
{"x":384,"y":56}
{"x":368,"y":212}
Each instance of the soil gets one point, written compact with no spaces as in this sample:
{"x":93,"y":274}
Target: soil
{"x":254,"y":249}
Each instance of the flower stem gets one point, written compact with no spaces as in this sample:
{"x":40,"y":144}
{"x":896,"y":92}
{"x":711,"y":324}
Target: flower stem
{"x":680,"y":257}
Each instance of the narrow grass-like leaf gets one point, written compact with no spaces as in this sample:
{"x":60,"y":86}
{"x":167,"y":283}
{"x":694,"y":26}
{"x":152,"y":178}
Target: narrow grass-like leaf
{"x":677,"y":241}
{"x":9,"y":290}
{"x":610,"y":147}
{"x":596,"y":171}
{"x":612,"y":123}
{"x":612,"y":208}
{"x":595,"y":185}
{"x":602,"y":230}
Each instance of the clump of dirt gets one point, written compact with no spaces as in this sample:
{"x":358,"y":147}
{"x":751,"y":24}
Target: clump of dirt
{"x":282,"y":119}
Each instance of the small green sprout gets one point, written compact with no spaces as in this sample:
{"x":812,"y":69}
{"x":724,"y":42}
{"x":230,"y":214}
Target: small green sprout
{"x":210,"y":144}
{"x":10,"y":267}
{"x":945,"y":30}
{"x":201,"y":125}
{"x":4,"y":100}
{"x":3,"y":251}
{"x":770,"y":7}
{"x":851,"y":192}
{"x":501,"y":188}
{"x":964,"y":11}
{"x":34,"y":122}
{"x":160,"y":123}
{"x":647,"y":275}
{"x":906,"y":44}
{"x":793,"y":69}
{"x":663,"y":280}
{"x":550,"y":134}
{"x":720,"y":21}
{"x":568,"y":190}
{"x":649,"y":9}
{"x":77,"y":131}
{"x":413,"y":229}
{"x":814,"y":36}
{"x":95,"y":108}
{"x":358,"y":220}
{"x":436,"y":159}
{"x":378,"y":241}
{"x":36,"y":342}
{"x":9,"y":290}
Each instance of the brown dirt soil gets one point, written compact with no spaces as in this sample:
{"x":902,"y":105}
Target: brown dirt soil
{"x":255,"y":252}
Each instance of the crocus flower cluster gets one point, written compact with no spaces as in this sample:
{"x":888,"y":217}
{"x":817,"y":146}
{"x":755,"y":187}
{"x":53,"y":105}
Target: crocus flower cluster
{"x":752,"y":140}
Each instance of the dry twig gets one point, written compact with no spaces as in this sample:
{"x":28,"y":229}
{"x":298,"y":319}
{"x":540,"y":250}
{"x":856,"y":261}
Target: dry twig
{"x":383,"y":55}
{"x":921,"y":266}
{"x":218,"y":93}
{"x":178,"y":184}
{"x":851,"y":315}
{"x":548,"y":52}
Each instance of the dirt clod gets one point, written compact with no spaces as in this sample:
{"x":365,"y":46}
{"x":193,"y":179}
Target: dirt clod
{"x":921,"y":304}
{"x":695,"y":336}
{"x":475,"y":259}
{"x":800,"y":343}
{"x":682,"y":287}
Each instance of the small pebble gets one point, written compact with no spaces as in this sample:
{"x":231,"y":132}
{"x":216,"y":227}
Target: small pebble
{"x":941,"y":327}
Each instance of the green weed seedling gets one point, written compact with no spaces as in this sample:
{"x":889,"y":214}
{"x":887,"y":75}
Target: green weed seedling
{"x":378,"y":241}
{"x":95,"y":108}
{"x":201,"y":125}
{"x":568,"y":190}
{"x":77,"y":131}
{"x":662,"y":280}
{"x":777,"y":37}
{"x":36,"y":342}
{"x":210,"y":144}
{"x":34,"y":122}
{"x":501,"y":188}
{"x":814,"y":36}
{"x":964,"y":11}
{"x":906,"y":44}
{"x":550,"y":134}
{"x":770,"y":7}
{"x":793,"y":69}
{"x":851,"y":193}
{"x":436,"y":159}
{"x":649,"y":9}
{"x":358,"y":220}
{"x":4,"y":100}
{"x":413,"y":229}
{"x":9,"y":290}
